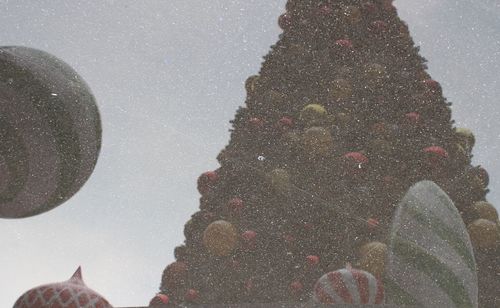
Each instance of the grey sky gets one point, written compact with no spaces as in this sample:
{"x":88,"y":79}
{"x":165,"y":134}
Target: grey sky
{"x":168,"y":77}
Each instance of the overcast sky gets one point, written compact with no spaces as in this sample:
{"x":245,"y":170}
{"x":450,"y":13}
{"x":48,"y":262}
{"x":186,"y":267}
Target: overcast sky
{"x":168,"y":77}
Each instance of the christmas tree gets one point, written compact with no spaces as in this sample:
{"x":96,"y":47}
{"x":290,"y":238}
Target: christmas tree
{"x":340,"y":121}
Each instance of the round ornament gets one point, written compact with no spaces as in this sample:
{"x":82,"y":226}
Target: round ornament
{"x":313,"y":113}
{"x":280,"y":180}
{"x":174,"y":275}
{"x":50,"y":130}
{"x":466,"y":138}
{"x":484,"y":234}
{"x":375,"y":72}
{"x":207,"y":181}
{"x":485,"y":210}
{"x":220,"y":238}
{"x":285,"y":21}
{"x":348,"y":286}
{"x":435,"y":154}
{"x":355,"y":161}
{"x":317,"y":141}
{"x":159,"y":299}
{"x":340,"y":89}
{"x":373,"y":257}
{"x":352,"y":14}
{"x":72,"y":293}
{"x":251,"y":84}
{"x":344,"y":44}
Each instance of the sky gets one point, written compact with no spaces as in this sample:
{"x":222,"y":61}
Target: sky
{"x":168,"y":77}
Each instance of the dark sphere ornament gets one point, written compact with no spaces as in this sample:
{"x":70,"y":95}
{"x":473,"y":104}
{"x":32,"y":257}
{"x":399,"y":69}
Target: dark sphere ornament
{"x":50,"y":130}
{"x":285,"y":21}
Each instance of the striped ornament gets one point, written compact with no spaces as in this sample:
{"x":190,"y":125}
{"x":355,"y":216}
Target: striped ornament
{"x":430,"y":257}
{"x":348,"y":286}
{"x":70,"y":294}
{"x":50,"y":132}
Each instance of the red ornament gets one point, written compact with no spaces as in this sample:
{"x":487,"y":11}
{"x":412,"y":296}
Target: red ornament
{"x":236,"y":206}
{"x":344,"y":43}
{"x":432,"y":85}
{"x":435,"y":154}
{"x":379,"y":26}
{"x":207,"y":181}
{"x":159,"y":299}
{"x":296,"y":287}
{"x":413,"y":118}
{"x":256,"y":123}
{"x":249,"y":285}
{"x":285,"y":123}
{"x":289,"y":239}
{"x":356,"y":161}
{"x":285,"y":21}
{"x":312,"y":260}
{"x":174,"y":275}
{"x":191,"y":295}
{"x":372,"y":223}
{"x":249,"y":239}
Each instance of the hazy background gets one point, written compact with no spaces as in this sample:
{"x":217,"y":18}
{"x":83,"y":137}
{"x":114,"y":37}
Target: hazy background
{"x":168,"y":77}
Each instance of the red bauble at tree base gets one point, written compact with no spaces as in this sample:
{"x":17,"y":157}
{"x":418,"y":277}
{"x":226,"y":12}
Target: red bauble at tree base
{"x":372,"y":223}
{"x":432,"y":85}
{"x":207,"y":181}
{"x":175,"y":275}
{"x":159,"y":300}
{"x":285,"y":21}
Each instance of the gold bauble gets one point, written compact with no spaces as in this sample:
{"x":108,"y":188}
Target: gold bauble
{"x":317,"y":141}
{"x":373,"y":257}
{"x":466,"y":138}
{"x":220,"y":238}
{"x":485,"y":210}
{"x":313,"y":113}
{"x":251,"y":84}
{"x":280,"y":180}
{"x":484,"y":234}
{"x":375,"y":72}
{"x":352,"y":14}
{"x":340,"y":89}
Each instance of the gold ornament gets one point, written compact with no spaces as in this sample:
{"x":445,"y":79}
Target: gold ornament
{"x":220,"y":238}
{"x":484,"y":234}
{"x":465,"y":138}
{"x":373,"y":258}
{"x":313,"y":114}
{"x":317,"y":141}
{"x":376,"y":73}
{"x":485,"y":210}
{"x":251,"y":84}
{"x":280,"y":180}
{"x":352,"y":14}
{"x":340,"y":89}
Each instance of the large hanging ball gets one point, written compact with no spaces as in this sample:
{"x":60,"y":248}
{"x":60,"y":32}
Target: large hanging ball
{"x":50,"y":132}
{"x":373,"y":256}
{"x":313,"y":114}
{"x":174,"y":275}
{"x":280,"y":181}
{"x":340,"y":89}
{"x":348,"y":286}
{"x":485,"y":210}
{"x":220,"y":238}
{"x":69,"y":294}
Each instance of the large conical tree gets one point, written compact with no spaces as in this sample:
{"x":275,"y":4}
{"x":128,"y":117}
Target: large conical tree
{"x":341,"y":120}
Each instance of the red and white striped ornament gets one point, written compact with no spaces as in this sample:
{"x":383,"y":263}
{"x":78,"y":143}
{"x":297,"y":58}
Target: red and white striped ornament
{"x":69,"y":294}
{"x":348,"y":286}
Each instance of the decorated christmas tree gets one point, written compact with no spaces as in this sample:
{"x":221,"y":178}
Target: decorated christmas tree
{"x":340,"y":122}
